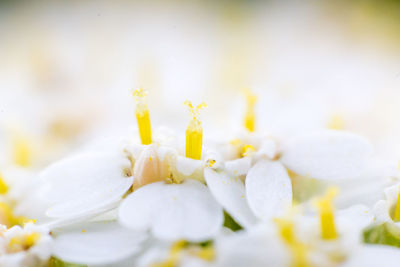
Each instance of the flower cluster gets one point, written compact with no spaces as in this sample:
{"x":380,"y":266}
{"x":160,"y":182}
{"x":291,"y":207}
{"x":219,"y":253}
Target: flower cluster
{"x":146,"y":199}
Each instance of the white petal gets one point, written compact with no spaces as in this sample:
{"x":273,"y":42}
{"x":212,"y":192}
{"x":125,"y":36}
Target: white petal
{"x":238,"y":166}
{"x":231,"y":194}
{"x":358,"y":216}
{"x":269,"y":189}
{"x":173,"y":211}
{"x":375,"y":255}
{"x":328,"y":155}
{"x":268,"y":149}
{"x":84,"y":183}
{"x":188,"y":166}
{"x":96,"y":243}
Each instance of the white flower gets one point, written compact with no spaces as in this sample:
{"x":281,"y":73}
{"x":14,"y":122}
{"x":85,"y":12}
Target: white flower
{"x":29,"y":246}
{"x":267,"y":190}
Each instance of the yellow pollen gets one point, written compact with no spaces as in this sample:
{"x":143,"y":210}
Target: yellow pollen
{"x":211,"y":163}
{"x":247,"y":150}
{"x":3,"y":186}
{"x":250,"y":116}
{"x":336,"y":123}
{"x":397,"y":209}
{"x":143,"y":116}
{"x":194,"y":132}
{"x":327,"y":216}
{"x":297,"y":248}
{"x":22,"y":243}
{"x":22,"y":150}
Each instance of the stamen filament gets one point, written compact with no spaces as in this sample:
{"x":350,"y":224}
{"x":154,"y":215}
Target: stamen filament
{"x":143,"y":117}
{"x":397,"y":210}
{"x":327,"y":217}
{"x":297,"y":248}
{"x":250,"y":116}
{"x":194,"y":133}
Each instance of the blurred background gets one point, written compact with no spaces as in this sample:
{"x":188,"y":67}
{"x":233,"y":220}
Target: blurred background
{"x":68,"y":68}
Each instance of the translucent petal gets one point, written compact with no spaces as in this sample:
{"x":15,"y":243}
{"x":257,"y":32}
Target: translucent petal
{"x":231,"y":194}
{"x":173,"y":211}
{"x":96,"y":243}
{"x":327,"y":155}
{"x":269,"y":189}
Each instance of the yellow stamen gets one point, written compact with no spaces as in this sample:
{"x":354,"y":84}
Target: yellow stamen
{"x":22,"y":150}
{"x":397,"y":209}
{"x":297,"y":248}
{"x":8,"y":218}
{"x":143,"y":116}
{"x":327,"y":217}
{"x":3,"y":186}
{"x":194,"y":132}
{"x":247,"y":150}
{"x":250,"y":116}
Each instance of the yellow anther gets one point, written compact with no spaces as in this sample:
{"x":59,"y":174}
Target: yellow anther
{"x":22,"y":150}
{"x":297,"y":248}
{"x":22,"y":243}
{"x":194,"y":132}
{"x":397,"y":209}
{"x":327,"y":216}
{"x":143,"y":116}
{"x":247,"y":150}
{"x":3,"y":186}
{"x":336,"y":122}
{"x":174,"y":256}
{"x":211,"y":163}
{"x":8,"y":218}
{"x":250,"y":116}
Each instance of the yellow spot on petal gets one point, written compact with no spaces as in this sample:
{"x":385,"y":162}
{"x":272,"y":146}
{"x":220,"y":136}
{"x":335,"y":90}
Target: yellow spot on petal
{"x":83,"y":231}
{"x":327,"y":215}
{"x":250,"y":116}
{"x":211,"y":163}
{"x":194,"y":132}
{"x":143,"y":116}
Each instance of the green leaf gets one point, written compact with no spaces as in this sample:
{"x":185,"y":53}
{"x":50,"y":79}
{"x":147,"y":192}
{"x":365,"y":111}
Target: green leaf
{"x":230,"y":223}
{"x":55,"y":262}
{"x":384,"y":234}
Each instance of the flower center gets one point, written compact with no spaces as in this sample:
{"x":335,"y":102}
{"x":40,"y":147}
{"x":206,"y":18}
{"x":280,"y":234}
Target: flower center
{"x":194,"y":132}
{"x":297,"y":248}
{"x":143,"y":116}
{"x":250,"y":116}
{"x":327,"y":216}
{"x":22,"y":243}
{"x":8,"y":218}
